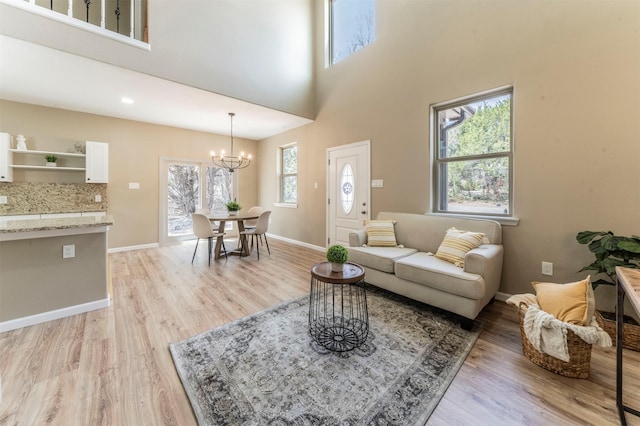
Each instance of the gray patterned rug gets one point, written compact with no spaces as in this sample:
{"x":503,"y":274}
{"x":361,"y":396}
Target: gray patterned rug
{"x":266,"y":370}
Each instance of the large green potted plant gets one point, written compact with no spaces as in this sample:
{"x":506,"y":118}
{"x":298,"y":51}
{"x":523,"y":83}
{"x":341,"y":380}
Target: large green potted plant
{"x":610,"y":251}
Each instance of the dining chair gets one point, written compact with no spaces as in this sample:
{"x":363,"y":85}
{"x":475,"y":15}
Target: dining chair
{"x":251,"y":223}
{"x":260,"y":230}
{"x":202,"y":229}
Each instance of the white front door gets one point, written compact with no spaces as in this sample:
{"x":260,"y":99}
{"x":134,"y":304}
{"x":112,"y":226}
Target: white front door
{"x":348,"y":193}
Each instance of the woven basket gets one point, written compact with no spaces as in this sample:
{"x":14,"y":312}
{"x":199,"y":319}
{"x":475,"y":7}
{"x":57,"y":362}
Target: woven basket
{"x":630,"y":332}
{"x":579,"y":365}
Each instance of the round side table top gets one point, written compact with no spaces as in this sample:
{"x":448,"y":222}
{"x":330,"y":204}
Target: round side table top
{"x":351,"y":273}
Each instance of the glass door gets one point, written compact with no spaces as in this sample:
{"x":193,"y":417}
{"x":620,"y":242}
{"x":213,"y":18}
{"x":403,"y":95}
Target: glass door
{"x":183,"y":198}
{"x":186,"y":186}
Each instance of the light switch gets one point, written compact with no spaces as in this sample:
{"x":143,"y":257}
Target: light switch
{"x":377,"y":183}
{"x":134,"y":185}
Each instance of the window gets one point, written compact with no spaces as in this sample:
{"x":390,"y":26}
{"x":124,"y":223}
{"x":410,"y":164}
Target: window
{"x":351,"y":27}
{"x":473,"y":162}
{"x":289,"y":174}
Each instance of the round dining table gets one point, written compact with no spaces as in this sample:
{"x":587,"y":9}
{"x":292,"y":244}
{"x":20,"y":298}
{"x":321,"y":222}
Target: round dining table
{"x":223,"y":218}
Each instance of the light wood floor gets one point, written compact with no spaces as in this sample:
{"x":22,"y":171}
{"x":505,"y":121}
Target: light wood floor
{"x":113,"y":367}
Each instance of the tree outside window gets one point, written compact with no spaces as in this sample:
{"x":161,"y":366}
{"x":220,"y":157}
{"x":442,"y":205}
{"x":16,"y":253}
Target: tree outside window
{"x":352,"y":27}
{"x":473,"y":155}
{"x":289,"y":175}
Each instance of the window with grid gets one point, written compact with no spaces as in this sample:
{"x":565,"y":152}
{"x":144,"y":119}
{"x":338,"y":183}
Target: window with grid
{"x":473,"y":155}
{"x":289,"y":174}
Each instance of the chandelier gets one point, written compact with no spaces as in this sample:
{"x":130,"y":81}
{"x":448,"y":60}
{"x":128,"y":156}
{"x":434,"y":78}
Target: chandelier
{"x":231,"y":162}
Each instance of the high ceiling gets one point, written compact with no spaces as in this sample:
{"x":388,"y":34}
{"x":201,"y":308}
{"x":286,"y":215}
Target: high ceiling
{"x":39,"y":75}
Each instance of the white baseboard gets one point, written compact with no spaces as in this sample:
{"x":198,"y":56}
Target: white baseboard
{"x":296,"y":242}
{"x":53,"y":315}
{"x":129,"y":248}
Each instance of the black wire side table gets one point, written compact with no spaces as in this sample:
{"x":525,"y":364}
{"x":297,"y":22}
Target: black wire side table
{"x":338,"y":315}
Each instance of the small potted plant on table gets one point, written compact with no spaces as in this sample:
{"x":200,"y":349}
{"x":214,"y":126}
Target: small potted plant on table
{"x":233,"y":207}
{"x":337,"y":256}
{"x":51,"y":160}
{"x":610,"y":251}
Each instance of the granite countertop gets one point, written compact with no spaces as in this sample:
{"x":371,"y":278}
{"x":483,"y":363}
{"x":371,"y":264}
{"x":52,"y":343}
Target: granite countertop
{"x":28,"y":225}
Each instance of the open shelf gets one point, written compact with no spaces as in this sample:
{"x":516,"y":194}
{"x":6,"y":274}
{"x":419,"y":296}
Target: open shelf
{"x":70,"y":169}
{"x":58,"y":154}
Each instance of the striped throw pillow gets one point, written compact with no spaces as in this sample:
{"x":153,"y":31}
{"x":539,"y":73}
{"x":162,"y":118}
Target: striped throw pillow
{"x":457,"y":244}
{"x":381,"y":233}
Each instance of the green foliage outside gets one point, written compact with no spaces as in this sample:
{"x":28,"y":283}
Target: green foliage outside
{"x":488,"y":131}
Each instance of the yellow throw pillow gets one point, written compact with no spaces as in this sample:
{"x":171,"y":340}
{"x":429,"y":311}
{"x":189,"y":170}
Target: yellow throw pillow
{"x":573,"y":302}
{"x":457,"y":244}
{"x":381,"y":233}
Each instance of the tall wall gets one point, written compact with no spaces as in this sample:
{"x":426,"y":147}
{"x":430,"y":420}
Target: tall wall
{"x":217,"y":46}
{"x":575,"y":68}
{"x":135,"y":150}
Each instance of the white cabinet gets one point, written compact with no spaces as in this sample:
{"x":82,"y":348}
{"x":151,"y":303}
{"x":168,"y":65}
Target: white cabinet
{"x":6,"y":158}
{"x":97,"y":162}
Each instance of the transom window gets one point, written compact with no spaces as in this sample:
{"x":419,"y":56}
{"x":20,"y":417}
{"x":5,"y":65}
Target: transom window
{"x":473,"y":162}
{"x":289,"y":174}
{"x":352,"y":26}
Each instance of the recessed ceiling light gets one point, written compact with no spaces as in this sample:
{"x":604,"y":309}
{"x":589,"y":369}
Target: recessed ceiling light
{"x":128,"y":101}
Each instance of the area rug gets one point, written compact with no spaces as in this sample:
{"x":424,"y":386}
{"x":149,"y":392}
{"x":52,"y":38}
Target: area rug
{"x":265,"y":369}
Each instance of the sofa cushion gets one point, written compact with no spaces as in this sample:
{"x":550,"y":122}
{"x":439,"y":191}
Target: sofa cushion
{"x":457,"y":244}
{"x":430,"y":271}
{"x":380,"y":258}
{"x":381,"y":233}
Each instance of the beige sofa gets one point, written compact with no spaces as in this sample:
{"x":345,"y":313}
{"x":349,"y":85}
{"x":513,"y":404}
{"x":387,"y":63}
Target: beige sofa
{"x":413,"y":272}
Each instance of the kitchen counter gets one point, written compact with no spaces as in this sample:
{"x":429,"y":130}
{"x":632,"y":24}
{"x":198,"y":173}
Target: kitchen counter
{"x":52,"y":267}
{"x":13,"y":229}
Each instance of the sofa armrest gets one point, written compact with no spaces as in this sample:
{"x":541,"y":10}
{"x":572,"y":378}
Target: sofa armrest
{"x":486,"y":261}
{"x":357,"y":238}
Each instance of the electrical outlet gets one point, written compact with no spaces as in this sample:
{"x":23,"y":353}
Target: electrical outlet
{"x":98,"y":198}
{"x":547,"y":268}
{"x":68,"y":251}
{"x":3,"y":199}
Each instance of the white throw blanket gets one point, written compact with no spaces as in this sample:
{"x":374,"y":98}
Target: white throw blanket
{"x":549,"y":335}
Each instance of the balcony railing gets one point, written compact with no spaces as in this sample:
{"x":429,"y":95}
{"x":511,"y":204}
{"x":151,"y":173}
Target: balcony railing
{"x":123,"y":20}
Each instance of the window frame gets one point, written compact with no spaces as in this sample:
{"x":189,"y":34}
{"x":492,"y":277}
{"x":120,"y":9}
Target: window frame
{"x":437,"y":184}
{"x":282,"y":175}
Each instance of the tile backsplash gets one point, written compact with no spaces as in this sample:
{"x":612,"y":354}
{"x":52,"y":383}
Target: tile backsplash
{"x":38,"y":198}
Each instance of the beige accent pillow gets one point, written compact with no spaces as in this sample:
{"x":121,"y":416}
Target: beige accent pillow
{"x":573,"y":302}
{"x":457,"y":244}
{"x":381,"y":233}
